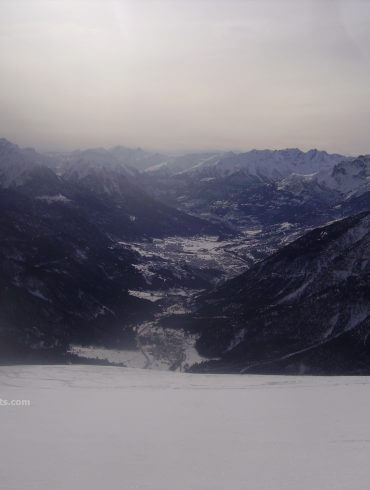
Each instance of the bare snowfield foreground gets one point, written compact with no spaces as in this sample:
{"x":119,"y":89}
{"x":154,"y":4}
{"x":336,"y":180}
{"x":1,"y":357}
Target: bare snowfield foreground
{"x":94,"y":428}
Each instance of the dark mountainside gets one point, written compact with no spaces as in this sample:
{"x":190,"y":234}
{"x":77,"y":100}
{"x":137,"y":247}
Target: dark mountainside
{"x":62,"y":280}
{"x":304,"y":309}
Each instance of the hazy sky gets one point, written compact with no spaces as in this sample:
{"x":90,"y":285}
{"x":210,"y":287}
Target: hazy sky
{"x":186,"y":74}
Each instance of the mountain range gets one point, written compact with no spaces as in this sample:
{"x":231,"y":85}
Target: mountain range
{"x":261,"y":255}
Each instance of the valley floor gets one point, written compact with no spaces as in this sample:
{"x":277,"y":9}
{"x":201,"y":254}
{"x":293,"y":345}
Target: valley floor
{"x":176,"y":270}
{"x":91,"y":427}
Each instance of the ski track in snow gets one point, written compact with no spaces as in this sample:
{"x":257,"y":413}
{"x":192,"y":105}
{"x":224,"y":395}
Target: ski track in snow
{"x":93,"y":427}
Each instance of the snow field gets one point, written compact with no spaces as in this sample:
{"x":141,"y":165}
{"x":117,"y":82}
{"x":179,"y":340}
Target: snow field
{"x":94,"y":428}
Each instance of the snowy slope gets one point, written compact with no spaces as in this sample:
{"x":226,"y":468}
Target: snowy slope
{"x":181,"y":164}
{"x":90,"y":428}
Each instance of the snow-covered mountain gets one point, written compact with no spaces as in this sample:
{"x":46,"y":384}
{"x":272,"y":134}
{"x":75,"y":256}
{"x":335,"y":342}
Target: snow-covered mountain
{"x":79,"y":164}
{"x":346,"y":177}
{"x":136,"y":158}
{"x":304,"y":309}
{"x":259,"y":187}
{"x":346,"y":187}
{"x":103,"y":188}
{"x":17,"y":166}
{"x":264,"y":164}
{"x":132,"y":160}
{"x":351,"y":176}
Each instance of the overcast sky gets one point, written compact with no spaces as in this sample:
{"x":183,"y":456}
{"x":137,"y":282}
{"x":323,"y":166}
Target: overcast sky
{"x":186,"y":74}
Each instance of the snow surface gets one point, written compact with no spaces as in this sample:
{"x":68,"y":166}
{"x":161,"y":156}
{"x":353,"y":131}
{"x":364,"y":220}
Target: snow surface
{"x":177,"y":253}
{"x":148,"y":295}
{"x":91,"y":427}
{"x":130,"y":358}
{"x":56,"y":198}
{"x":157,"y":348}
